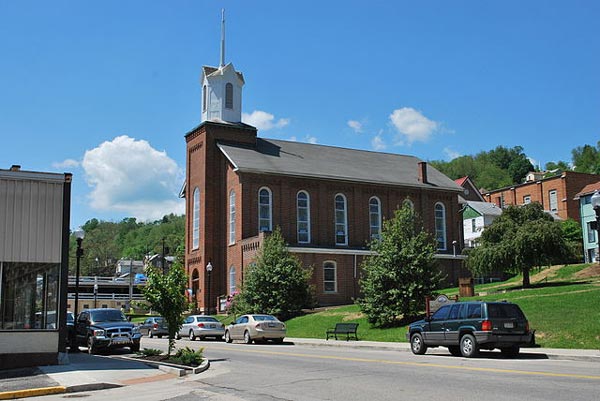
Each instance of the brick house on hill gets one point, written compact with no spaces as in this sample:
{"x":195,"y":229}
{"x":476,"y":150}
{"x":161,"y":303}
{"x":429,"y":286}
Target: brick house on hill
{"x":328,"y":201}
{"x":556,"y":194}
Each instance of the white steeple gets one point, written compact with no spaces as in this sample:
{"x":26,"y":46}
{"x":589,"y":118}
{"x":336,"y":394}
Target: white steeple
{"x":222,"y":88}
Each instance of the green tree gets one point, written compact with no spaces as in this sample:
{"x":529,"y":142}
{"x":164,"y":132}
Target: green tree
{"x":586,"y":159}
{"x":165,"y":293}
{"x":573,"y":235}
{"x":277,"y":284}
{"x":401,"y":272}
{"x":521,"y":238}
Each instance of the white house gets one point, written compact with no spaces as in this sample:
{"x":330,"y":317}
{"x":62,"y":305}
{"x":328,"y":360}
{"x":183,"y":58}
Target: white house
{"x":477,"y":216}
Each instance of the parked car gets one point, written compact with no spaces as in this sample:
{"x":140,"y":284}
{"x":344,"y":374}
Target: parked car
{"x":70,"y":328}
{"x":201,"y":326}
{"x":154,"y":326}
{"x":105,"y":329}
{"x":467,"y":327}
{"x":256,"y":328}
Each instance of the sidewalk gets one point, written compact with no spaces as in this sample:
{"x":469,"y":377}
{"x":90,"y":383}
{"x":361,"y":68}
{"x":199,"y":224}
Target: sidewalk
{"x":93,"y":372}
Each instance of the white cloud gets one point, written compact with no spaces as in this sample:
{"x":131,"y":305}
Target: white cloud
{"x":310,"y":139}
{"x":293,"y":139}
{"x":355,"y":125}
{"x":131,"y":177}
{"x":451,"y":154}
{"x":377,"y":143}
{"x":264,"y":121}
{"x":66,"y":164}
{"x":412,"y":126}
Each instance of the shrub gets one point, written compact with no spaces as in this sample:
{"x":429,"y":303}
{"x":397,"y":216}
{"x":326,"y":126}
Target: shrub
{"x":189,"y":356}
{"x":150,"y":352}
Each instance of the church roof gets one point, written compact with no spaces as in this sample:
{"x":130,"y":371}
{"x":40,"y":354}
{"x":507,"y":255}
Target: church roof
{"x":298,"y":159}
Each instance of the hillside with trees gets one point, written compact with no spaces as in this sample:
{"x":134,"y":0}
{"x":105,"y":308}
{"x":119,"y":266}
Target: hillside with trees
{"x":106,"y":242}
{"x":502,"y":167}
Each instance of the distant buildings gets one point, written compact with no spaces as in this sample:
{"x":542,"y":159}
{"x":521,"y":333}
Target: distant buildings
{"x":588,"y":220}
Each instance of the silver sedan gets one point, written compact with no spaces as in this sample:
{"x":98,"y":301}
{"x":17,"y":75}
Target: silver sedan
{"x":201,"y":326}
{"x":256,"y":328}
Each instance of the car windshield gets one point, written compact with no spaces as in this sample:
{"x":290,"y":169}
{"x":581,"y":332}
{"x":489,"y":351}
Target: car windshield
{"x":262,"y":318}
{"x":207,"y":319}
{"x":108,"y":315}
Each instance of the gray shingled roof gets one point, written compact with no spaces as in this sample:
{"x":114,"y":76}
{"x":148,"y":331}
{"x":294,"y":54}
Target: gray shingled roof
{"x":485,"y":208}
{"x":327,"y":162}
{"x":209,"y":70}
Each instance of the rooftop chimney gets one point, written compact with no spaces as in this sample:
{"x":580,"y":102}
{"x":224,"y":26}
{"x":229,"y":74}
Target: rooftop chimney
{"x":422,"y":172}
{"x":15,"y":167}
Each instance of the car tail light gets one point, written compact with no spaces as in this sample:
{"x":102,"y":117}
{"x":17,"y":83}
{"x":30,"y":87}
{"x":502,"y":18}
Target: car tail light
{"x":201,"y":325}
{"x":155,"y":325}
{"x":257,"y":325}
{"x":486,"y":325}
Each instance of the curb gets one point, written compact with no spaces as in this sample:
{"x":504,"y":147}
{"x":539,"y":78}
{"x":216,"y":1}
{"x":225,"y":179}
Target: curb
{"x":33,"y":392}
{"x":177,"y":370}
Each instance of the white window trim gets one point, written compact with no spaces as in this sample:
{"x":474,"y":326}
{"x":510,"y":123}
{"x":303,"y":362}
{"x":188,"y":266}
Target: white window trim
{"x":232,"y":222}
{"x":196,"y":218}
{"x":307,"y":217}
{"x":444,"y":229}
{"x":270,"y":208}
{"x":378,"y":234}
{"x":553,"y":193}
{"x":232,"y":284}
{"x":335,"y":281}
{"x":345,"y":219}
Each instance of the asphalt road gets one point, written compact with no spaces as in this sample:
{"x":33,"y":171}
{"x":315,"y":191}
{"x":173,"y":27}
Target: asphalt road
{"x":291,"y":372}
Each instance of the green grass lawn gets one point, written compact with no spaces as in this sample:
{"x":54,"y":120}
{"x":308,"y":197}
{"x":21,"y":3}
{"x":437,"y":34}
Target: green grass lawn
{"x":563,"y":309}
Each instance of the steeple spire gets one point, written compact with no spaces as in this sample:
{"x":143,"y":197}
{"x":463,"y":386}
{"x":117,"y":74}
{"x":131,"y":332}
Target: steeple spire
{"x":222,"y":64}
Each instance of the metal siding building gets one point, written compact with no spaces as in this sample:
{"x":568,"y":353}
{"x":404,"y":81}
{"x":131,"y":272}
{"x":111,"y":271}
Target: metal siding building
{"x":34,"y":245}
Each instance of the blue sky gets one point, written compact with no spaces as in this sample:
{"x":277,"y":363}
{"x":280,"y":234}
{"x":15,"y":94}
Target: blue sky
{"x":107,"y":90}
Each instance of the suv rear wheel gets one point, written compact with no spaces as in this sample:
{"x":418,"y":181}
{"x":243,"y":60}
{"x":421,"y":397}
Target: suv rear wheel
{"x":468,"y":346}
{"x":417,"y":345}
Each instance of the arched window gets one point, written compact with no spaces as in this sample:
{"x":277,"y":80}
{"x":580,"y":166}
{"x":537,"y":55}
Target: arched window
{"x":375,"y":217}
{"x":341,"y":220}
{"x":329,"y":277}
{"x":265,"y":222}
{"x":303,"y":217}
{"x":410,"y":203}
{"x":196,"y":219}
{"x":204,"y":96}
{"x":232,"y":285}
{"x":232,"y":217}
{"x":195,"y":283}
{"x":228,"y":96}
{"x":440,"y":226}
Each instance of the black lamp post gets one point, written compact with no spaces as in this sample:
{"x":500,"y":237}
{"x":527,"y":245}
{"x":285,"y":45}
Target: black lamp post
{"x":95,"y":295}
{"x":596,"y":206}
{"x":209,"y":268}
{"x":79,"y":235}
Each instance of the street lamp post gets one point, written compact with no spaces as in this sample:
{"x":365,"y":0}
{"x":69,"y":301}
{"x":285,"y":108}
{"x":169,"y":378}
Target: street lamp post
{"x":209,"y":268}
{"x":95,"y":295}
{"x":79,"y":235}
{"x":596,"y":206}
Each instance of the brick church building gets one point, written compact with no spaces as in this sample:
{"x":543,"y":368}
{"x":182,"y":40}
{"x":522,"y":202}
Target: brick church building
{"x":328,"y":201}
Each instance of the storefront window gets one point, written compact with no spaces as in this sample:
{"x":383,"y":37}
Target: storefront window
{"x":28,"y":296}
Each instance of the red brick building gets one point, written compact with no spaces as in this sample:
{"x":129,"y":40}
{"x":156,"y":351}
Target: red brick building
{"x":556,"y":194}
{"x":328,"y":201}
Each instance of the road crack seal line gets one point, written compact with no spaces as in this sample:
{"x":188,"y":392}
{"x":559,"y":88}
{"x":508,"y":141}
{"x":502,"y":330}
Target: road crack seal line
{"x":421,"y":364}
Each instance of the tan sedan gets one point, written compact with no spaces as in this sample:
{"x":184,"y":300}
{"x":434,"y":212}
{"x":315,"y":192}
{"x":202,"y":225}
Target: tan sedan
{"x":255,"y":328}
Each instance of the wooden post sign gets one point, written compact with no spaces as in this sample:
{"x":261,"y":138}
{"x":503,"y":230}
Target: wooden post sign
{"x":432,"y":305}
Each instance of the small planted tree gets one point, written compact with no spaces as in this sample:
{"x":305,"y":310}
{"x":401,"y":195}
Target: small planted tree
{"x":401,"y":272}
{"x":277,"y":284}
{"x":166,"y":294}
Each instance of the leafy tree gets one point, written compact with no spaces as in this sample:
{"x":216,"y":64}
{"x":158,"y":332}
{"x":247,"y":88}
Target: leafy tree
{"x":520,"y":239}
{"x":165,"y":293}
{"x":558,"y":167}
{"x":573,"y":234}
{"x":586,"y":159}
{"x":277,"y":284}
{"x":401,"y":272}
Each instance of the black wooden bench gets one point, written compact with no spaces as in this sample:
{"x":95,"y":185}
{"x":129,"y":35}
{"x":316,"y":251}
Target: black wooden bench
{"x":349,"y":329}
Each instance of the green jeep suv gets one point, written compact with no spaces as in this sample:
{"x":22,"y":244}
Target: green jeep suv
{"x":467,"y":327}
